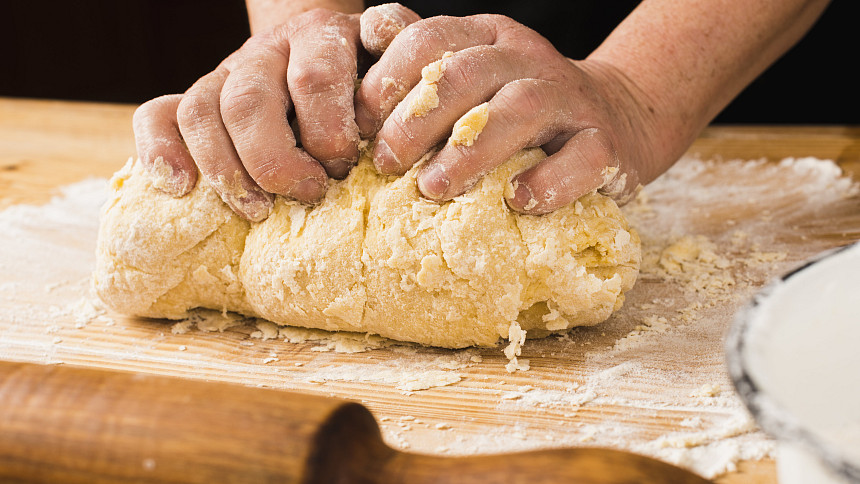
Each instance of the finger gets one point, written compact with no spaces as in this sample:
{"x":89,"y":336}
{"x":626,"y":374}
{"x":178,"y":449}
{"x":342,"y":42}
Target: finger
{"x":380,"y":24}
{"x":321,"y":79}
{"x":160,"y":146}
{"x":583,"y":164}
{"x":399,"y":69}
{"x":210,"y":145}
{"x":254,"y":104}
{"x":524,"y":113}
{"x":465,"y":79}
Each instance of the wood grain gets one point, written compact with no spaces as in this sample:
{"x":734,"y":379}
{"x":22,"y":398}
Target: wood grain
{"x":46,"y":144}
{"x":838,"y":143}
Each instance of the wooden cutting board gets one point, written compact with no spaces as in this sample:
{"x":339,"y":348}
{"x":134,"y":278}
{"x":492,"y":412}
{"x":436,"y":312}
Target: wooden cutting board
{"x":48,"y":144}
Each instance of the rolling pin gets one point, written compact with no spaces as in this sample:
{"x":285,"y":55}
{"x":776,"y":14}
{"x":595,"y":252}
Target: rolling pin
{"x":75,"y":425}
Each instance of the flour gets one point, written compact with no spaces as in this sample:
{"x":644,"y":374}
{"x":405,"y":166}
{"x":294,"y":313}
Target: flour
{"x":799,"y":351}
{"x":405,"y":379}
{"x":624,"y":384}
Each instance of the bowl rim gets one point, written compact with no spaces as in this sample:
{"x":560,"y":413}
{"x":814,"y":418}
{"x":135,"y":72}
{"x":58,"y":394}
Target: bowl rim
{"x":769,"y":414}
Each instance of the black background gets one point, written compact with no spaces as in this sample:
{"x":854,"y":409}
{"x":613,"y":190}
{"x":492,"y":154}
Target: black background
{"x":133,"y":50}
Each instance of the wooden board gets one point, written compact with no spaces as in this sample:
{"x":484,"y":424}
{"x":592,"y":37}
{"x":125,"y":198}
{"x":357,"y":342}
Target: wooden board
{"x":46,"y":144}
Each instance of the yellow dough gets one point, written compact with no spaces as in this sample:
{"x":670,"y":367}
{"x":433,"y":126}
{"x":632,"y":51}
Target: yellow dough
{"x":373,"y":257}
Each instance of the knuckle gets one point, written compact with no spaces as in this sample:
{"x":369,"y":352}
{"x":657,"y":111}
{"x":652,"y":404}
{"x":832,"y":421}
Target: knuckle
{"x":314,"y":78}
{"x":497,"y":19}
{"x":424,"y":36}
{"x":329,"y":148}
{"x":266,"y":174}
{"x":498,"y":24}
{"x":243,"y":100}
{"x":519,"y":97}
{"x":401,"y":133}
{"x":464,"y":67}
{"x":311,"y":20}
{"x":145,"y":110}
{"x":278,"y":172}
{"x":156,"y":108}
{"x":459,"y":77}
{"x":279,"y":36}
{"x":194,"y":109}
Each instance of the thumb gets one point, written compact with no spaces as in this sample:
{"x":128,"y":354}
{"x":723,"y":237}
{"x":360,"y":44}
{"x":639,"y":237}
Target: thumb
{"x":586,"y":162}
{"x":380,"y":24}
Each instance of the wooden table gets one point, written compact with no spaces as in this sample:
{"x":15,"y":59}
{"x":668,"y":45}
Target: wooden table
{"x":46,"y":144}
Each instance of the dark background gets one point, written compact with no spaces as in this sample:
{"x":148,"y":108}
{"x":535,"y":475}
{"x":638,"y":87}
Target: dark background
{"x":134,"y":50}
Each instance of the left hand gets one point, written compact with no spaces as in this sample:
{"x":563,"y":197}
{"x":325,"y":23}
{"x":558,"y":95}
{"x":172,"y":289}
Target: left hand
{"x":589,"y":118}
{"x":233,"y":124}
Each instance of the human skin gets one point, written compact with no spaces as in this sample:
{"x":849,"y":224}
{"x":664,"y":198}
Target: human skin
{"x":613,"y":121}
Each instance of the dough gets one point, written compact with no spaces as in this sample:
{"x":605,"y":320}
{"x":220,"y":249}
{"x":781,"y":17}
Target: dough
{"x":427,"y":98}
{"x":468,"y":128}
{"x":373,"y":257}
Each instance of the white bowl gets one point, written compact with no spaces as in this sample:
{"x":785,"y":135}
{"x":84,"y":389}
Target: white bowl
{"x":794,"y":357}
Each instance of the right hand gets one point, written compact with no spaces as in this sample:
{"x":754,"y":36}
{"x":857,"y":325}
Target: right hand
{"x":233,"y":123}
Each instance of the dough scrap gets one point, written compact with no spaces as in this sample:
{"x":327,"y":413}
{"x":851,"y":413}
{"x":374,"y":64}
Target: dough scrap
{"x":468,"y":128}
{"x":373,"y":257}
{"x":427,"y":98}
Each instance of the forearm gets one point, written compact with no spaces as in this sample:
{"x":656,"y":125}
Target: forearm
{"x":265,"y":14}
{"x":687,"y":60}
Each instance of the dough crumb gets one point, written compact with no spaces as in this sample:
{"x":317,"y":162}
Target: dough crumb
{"x":427,"y":97}
{"x":516,"y":338}
{"x":182,"y":327}
{"x":266,"y":330}
{"x":220,"y":321}
{"x":707,"y":390}
{"x":469,"y":127}
{"x":693,"y":260}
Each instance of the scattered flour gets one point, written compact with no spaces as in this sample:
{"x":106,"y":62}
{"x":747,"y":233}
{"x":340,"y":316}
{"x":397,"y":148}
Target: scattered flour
{"x":711,"y":236}
{"x":404,"y":379}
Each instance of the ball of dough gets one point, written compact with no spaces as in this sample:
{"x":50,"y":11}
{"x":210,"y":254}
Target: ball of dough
{"x":373,"y":256}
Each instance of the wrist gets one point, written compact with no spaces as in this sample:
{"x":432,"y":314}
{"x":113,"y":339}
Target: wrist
{"x":645,"y":132}
{"x":687,"y":60}
{"x":265,"y":14}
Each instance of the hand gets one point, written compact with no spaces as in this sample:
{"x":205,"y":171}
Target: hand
{"x":233,"y":123}
{"x":584,"y":114}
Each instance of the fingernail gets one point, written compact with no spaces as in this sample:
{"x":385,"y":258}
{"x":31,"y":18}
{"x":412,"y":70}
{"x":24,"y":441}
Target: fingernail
{"x":338,"y":169}
{"x":308,"y":190}
{"x":168,"y":179}
{"x":182,"y":184}
{"x":366,"y":123}
{"x":256,"y":206}
{"x":250,"y":202}
{"x":433,"y":182}
{"x":523,"y":199}
{"x":385,"y":160}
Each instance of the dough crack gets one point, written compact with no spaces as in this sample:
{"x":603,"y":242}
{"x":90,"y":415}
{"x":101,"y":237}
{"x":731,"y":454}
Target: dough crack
{"x":365,"y":213}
